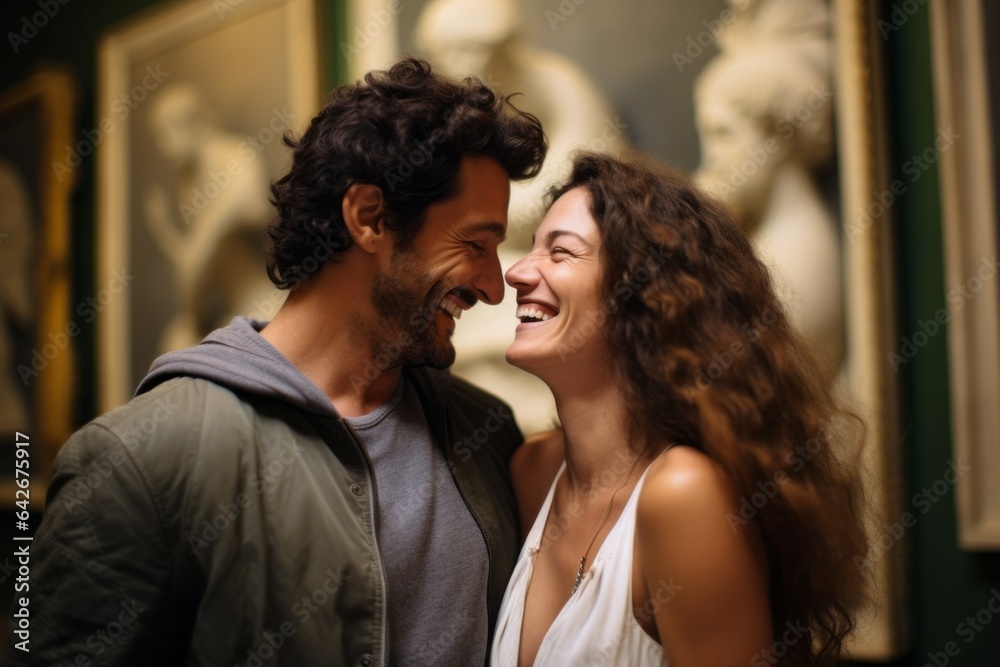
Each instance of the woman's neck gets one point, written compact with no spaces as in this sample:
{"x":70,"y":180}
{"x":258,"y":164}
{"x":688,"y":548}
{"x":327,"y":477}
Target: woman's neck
{"x":595,"y":429}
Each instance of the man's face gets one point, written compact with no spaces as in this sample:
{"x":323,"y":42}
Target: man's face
{"x":450,"y":264}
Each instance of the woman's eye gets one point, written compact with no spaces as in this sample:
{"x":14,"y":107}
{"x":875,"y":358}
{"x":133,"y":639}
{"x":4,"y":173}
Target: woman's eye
{"x":558,"y":250}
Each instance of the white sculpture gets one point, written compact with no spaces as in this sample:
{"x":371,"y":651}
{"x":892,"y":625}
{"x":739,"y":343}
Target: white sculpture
{"x":480,"y":38}
{"x":764,"y":113}
{"x":804,"y":24}
{"x":17,"y":310}
{"x":213,"y":232}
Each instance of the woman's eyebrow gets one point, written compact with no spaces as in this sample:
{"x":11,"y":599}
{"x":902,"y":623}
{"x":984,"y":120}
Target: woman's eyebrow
{"x":556,"y":233}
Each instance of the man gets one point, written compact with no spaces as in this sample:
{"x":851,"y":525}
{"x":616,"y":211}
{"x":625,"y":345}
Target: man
{"x":308,"y":492}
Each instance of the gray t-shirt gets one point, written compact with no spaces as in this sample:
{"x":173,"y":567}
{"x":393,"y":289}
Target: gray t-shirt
{"x":435,"y":556}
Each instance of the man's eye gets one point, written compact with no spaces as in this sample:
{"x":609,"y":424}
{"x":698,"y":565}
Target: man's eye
{"x":478,"y":247}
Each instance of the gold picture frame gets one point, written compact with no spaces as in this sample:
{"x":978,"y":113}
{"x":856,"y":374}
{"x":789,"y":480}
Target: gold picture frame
{"x":871,"y":305}
{"x":36,"y":129}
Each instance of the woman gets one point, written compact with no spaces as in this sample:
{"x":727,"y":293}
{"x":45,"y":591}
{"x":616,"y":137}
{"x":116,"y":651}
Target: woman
{"x":691,"y":510}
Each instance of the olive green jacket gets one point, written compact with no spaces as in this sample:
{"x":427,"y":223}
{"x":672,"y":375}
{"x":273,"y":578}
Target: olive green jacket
{"x":201,"y":525}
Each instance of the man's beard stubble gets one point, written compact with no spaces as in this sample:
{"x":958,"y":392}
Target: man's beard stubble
{"x":406,"y":306}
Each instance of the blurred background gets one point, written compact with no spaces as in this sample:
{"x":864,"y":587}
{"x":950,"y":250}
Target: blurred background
{"x":856,"y":140}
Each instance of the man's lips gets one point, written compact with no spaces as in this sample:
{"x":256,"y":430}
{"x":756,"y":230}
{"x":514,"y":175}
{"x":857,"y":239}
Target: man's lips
{"x":457,"y":300}
{"x":451,"y":307}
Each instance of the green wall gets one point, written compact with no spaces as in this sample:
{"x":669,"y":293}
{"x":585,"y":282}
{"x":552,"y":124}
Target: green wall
{"x":947,"y":584}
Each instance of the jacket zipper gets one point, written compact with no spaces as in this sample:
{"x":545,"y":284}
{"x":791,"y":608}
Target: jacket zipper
{"x":373,"y":497}
{"x":482,"y":527}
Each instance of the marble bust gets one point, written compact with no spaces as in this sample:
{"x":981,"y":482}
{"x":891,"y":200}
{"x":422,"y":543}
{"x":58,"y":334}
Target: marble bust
{"x":764,"y":112}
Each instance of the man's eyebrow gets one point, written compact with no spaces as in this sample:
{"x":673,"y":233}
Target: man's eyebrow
{"x":556,"y":233}
{"x":490,"y":227}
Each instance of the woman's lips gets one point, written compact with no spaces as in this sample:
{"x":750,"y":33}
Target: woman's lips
{"x":530,"y":311}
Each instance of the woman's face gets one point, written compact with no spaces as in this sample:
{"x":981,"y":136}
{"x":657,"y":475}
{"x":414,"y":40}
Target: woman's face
{"x":558,"y":290}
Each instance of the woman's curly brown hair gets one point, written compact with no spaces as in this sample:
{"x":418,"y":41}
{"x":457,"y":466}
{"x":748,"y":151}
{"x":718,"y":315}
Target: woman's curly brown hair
{"x":706,"y":356}
{"x":405,"y":130}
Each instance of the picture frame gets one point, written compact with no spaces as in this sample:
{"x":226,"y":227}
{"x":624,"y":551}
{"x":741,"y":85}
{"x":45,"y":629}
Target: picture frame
{"x":36,"y":127}
{"x":871,"y":306}
{"x":968,"y":173}
{"x":194,"y":100}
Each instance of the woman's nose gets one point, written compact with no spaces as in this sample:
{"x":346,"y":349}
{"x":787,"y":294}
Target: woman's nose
{"x":523,"y":274}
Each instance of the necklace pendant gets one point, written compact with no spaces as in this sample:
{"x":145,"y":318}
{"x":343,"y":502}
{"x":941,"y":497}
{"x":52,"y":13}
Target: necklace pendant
{"x":579,"y":575}
{"x":604,"y":517}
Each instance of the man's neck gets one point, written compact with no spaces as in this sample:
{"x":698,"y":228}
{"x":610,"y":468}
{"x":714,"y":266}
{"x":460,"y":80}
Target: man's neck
{"x":317,"y":330}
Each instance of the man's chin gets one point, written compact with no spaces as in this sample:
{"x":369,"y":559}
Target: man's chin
{"x":442,"y":357}
{"x":437,"y":363}
{"x":438,"y":355}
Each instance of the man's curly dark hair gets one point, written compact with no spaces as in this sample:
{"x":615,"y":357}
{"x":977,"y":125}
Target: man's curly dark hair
{"x":405,"y":130}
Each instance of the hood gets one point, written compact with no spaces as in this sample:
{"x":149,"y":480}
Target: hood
{"x":239,"y":358}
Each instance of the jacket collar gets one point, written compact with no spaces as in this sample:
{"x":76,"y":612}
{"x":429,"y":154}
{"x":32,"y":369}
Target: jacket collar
{"x":433,"y":387}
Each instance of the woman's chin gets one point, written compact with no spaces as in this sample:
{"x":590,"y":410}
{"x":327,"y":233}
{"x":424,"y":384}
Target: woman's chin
{"x":513,"y":358}
{"x":526,"y":360}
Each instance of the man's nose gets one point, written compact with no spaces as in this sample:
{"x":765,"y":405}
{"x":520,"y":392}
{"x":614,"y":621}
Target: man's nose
{"x":488,"y":283}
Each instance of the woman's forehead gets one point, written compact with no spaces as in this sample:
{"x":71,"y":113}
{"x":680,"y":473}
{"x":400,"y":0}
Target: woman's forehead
{"x":570,"y":213}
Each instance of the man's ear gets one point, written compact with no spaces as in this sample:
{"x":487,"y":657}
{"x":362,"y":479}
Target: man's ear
{"x":363,"y":207}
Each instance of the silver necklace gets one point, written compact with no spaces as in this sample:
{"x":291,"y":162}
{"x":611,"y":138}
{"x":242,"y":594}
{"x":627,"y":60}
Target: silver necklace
{"x":607,"y":510}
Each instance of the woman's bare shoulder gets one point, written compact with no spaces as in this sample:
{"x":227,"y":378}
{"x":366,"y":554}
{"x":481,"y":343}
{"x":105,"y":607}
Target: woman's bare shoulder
{"x":686,"y":535}
{"x":532,"y":468}
{"x":686,"y":488}
{"x":684,"y":475}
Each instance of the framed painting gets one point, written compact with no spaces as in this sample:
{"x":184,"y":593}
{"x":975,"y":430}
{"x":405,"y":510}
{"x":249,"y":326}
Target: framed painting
{"x":967,"y":95}
{"x":194,"y":101}
{"x":38,"y":328}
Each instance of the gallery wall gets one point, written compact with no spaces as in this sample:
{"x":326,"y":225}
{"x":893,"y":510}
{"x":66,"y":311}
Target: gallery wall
{"x":69,"y":39}
{"x":947,"y":584}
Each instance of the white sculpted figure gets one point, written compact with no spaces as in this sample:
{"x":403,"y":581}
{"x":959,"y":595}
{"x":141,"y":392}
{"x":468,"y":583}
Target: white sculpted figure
{"x":480,"y":38}
{"x":764,"y":113}
{"x":804,"y":24}
{"x":212,"y":234}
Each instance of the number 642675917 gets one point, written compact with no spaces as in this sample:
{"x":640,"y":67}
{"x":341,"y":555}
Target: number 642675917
{"x":22,"y":475}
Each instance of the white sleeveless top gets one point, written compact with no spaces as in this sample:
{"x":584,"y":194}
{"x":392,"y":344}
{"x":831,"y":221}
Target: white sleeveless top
{"x":596,"y":626}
